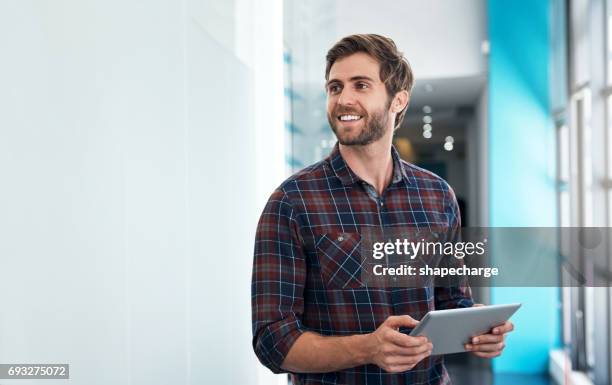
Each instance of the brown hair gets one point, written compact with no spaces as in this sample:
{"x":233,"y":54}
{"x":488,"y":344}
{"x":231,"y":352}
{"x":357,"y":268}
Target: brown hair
{"x":395,"y":70}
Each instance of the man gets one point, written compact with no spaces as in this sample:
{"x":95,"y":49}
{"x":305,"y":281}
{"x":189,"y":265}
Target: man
{"x":312,"y":316}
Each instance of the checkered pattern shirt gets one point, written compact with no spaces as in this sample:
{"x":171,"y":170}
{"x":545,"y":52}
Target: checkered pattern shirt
{"x":307,"y":240}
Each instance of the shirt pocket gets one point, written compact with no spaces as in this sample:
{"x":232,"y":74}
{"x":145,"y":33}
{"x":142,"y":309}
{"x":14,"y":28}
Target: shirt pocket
{"x":339,"y":256}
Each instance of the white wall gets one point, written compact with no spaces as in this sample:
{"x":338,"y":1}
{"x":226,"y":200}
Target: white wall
{"x":128,"y":200}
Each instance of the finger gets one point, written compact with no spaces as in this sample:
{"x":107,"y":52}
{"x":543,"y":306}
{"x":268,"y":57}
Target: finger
{"x":485,"y":347}
{"x":397,"y":321}
{"x":404,"y":368}
{"x":487,"y":355}
{"x":505,"y":328}
{"x":487,"y":339}
{"x":421,"y":357}
{"x":403,"y":360}
{"x":404,"y":340}
{"x":401,"y":351}
{"x":407,"y":360}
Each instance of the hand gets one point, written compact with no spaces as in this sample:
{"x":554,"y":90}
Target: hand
{"x":491,"y":344}
{"x":394,"y":351}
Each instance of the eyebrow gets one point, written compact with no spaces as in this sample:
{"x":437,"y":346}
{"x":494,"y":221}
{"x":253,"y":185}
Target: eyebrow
{"x":353,"y":79}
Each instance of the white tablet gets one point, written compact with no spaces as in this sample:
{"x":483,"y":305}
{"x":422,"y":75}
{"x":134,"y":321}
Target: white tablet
{"x":449,"y":330}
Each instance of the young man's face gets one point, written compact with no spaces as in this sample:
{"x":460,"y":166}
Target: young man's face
{"x":357,"y":100}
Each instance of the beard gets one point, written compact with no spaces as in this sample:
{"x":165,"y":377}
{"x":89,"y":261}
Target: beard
{"x":374,"y":126}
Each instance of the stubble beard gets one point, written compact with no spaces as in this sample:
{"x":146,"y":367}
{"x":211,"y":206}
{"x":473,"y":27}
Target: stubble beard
{"x":375,"y":127}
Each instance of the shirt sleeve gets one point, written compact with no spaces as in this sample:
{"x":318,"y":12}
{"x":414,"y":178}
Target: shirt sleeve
{"x":277,"y":285}
{"x":457,"y":296}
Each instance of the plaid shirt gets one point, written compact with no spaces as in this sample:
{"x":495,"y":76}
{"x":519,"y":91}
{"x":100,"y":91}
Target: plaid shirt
{"x":308,"y":235}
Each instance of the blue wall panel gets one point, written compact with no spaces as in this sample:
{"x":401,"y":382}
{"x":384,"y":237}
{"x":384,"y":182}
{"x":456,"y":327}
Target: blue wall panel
{"x":522,"y":158}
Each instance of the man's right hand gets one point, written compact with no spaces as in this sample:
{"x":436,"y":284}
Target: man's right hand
{"x":394,"y":351}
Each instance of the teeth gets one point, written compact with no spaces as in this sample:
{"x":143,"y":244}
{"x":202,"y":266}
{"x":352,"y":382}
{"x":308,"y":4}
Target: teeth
{"x":350,"y":117}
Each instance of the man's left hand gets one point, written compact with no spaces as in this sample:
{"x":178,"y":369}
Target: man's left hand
{"x":491,"y":344}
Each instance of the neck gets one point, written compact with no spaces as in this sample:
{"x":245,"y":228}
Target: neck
{"x":372,"y":163}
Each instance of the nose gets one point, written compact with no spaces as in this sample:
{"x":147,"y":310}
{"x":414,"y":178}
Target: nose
{"x":346,"y":97}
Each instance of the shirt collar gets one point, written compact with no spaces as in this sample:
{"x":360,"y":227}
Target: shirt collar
{"x":348,"y":177}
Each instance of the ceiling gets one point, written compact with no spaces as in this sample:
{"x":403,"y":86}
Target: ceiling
{"x":445,"y":93}
{"x":440,"y":38}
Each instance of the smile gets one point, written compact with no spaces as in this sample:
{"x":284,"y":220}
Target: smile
{"x":346,"y":118}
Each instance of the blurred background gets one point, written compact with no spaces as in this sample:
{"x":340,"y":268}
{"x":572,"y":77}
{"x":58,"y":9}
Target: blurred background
{"x":139,"y":141}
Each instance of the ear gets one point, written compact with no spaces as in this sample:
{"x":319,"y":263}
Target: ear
{"x":400,"y":101}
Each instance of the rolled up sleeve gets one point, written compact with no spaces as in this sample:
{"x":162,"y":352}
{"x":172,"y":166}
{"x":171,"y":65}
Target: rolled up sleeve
{"x":277,"y":285}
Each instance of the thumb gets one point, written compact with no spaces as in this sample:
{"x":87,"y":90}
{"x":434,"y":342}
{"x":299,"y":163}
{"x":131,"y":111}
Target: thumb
{"x":397,"y":321}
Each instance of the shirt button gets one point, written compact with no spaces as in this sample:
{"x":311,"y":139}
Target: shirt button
{"x":340,"y":238}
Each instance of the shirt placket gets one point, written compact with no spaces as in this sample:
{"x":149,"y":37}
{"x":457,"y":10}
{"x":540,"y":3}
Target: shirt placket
{"x":394,"y":295}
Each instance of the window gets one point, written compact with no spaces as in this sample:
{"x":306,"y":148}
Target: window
{"x":587,"y":321}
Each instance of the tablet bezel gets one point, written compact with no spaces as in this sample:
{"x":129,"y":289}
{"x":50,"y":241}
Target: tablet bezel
{"x":440,"y":326}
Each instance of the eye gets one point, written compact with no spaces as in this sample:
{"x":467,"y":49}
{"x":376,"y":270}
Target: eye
{"x":361,"y":85}
{"x":333,"y":88}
